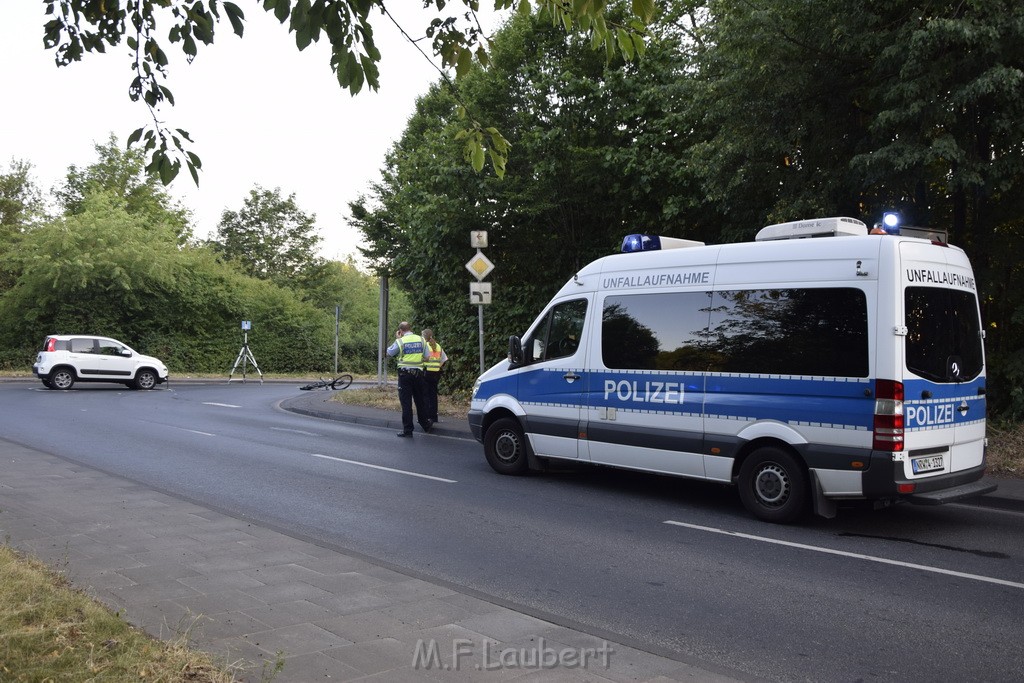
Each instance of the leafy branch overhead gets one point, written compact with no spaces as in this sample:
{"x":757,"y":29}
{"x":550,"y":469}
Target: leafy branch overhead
{"x":152,"y":28}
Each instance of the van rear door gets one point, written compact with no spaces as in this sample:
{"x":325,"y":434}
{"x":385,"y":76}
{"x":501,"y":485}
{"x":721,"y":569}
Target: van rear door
{"x":944,"y":362}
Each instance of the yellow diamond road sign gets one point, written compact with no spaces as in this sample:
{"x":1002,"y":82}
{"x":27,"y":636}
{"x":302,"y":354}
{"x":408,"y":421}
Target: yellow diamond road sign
{"x":480,"y":265}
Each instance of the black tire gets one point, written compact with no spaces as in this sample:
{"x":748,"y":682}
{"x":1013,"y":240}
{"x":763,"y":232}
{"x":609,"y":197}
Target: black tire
{"x":145,"y":379}
{"x":341,"y":382}
{"x":773,"y":485}
{"x":62,"y":378}
{"x":505,"y":447}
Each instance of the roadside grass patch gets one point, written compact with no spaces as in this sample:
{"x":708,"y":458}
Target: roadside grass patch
{"x":50,"y":631}
{"x":386,"y":398}
{"x":1006,"y":449}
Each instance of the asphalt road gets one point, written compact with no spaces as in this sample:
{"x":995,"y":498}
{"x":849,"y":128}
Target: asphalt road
{"x":668,"y":565}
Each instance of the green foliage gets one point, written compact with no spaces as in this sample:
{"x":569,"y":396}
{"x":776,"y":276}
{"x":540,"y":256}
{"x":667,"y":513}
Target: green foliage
{"x":573,"y":188}
{"x":270,"y":237}
{"x":107,"y":271}
{"x":75,"y":27}
{"x":122,"y":173}
{"x":21,"y":202}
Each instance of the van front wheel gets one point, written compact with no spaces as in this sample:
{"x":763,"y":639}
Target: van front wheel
{"x":773,"y":485}
{"x":505,"y":447}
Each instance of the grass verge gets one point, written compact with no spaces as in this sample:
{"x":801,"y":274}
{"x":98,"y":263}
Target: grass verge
{"x":386,"y":398}
{"x":50,"y":631}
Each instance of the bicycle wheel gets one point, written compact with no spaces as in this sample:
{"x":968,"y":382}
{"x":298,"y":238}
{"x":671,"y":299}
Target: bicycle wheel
{"x":341,"y":382}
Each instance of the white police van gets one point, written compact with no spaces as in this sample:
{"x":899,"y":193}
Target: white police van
{"x":816,"y":364}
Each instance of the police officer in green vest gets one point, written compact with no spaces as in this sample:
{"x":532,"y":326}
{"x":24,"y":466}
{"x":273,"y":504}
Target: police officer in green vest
{"x":410,"y":351}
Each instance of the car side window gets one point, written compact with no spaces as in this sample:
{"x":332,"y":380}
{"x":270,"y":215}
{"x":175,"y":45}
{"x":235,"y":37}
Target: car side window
{"x":81,"y":345}
{"x":109,"y":348}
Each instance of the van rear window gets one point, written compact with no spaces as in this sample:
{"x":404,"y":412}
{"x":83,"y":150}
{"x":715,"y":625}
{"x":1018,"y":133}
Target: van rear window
{"x":820,"y":332}
{"x":943,"y":334}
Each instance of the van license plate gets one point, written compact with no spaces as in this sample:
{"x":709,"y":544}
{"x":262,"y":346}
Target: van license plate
{"x":929,"y":463}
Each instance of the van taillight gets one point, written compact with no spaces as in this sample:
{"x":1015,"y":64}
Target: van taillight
{"x":51,"y":344}
{"x":888,"y":432}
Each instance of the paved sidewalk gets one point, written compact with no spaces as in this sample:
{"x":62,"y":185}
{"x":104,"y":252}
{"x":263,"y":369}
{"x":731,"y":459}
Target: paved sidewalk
{"x":247,"y":593}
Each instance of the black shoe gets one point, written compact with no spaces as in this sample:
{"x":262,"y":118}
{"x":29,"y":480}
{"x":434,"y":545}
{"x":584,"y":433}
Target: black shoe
{"x":404,"y":434}
{"x":428,"y":426}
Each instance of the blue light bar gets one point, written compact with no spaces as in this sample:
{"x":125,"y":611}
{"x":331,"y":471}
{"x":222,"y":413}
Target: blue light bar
{"x":633,"y":243}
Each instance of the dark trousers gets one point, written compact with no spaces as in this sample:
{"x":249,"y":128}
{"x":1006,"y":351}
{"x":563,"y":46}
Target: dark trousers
{"x":430,"y":380}
{"x":410,"y":390}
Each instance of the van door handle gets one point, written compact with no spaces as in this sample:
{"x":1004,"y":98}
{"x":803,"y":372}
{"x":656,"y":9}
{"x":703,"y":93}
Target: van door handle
{"x":570,"y":377}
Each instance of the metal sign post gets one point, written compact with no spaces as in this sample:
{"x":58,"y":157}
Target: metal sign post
{"x":479,"y":292}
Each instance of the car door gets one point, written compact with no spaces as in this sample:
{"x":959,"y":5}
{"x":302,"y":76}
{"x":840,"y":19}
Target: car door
{"x":115,"y":360}
{"x":82,"y":355}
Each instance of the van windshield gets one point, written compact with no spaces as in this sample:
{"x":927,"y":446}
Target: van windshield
{"x":943,"y":334}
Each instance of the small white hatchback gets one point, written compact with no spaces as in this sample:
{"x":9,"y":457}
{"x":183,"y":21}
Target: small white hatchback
{"x":69,"y":358}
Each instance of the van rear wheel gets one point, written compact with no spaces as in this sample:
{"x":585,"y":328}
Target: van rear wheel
{"x":773,"y":485}
{"x":505,"y":447}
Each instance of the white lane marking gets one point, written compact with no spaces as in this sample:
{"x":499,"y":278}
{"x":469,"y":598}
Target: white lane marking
{"x":195,"y":431}
{"x":293,"y":431}
{"x":222,"y":405}
{"x":843,"y":553}
{"x":386,"y":469}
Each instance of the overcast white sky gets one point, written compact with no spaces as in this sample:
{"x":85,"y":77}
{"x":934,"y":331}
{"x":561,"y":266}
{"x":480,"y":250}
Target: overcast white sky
{"x":258,"y":110}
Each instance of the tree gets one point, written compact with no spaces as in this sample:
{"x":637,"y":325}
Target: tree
{"x":854,"y":108}
{"x":21,"y":202}
{"x":577,"y":185}
{"x":122,"y":173}
{"x":270,"y":237}
{"x":79,"y":26}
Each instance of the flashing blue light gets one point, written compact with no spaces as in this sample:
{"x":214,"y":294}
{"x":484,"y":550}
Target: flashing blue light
{"x":891,"y":222}
{"x":633,"y":243}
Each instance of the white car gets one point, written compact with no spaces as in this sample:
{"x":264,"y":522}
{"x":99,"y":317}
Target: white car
{"x":69,"y":358}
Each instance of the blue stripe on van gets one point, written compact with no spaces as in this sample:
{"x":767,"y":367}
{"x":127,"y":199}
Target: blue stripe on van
{"x":846,"y":403}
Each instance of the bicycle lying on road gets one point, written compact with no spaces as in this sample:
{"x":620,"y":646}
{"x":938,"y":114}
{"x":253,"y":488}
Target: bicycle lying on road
{"x":329,"y":384}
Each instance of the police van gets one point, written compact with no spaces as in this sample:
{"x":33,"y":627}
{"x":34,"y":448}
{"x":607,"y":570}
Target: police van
{"x":817,"y":364}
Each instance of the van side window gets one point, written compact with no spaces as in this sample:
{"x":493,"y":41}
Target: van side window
{"x":558,"y":334}
{"x":656,"y":331}
{"x":821,"y":332}
{"x":943,"y":334}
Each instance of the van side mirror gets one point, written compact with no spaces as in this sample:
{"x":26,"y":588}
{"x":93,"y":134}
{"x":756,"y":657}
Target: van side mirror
{"x":126,"y":353}
{"x":515,"y":350}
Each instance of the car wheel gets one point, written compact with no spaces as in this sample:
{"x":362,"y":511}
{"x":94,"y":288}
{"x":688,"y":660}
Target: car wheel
{"x":773,"y":485}
{"x":505,"y":447}
{"x":62,"y":378}
{"x":145,"y":379}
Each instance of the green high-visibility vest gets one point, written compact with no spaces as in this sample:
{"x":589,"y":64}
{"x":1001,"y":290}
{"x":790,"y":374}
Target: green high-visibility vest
{"x":410,"y":351}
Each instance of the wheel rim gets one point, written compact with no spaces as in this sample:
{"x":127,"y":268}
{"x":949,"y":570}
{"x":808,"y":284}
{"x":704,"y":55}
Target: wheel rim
{"x":506,"y":447}
{"x":772,"y":485}
{"x":146,"y":380}
{"x":62,"y":380}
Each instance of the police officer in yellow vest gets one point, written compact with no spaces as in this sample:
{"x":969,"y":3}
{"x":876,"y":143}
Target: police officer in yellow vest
{"x":434,"y":359}
{"x":410,"y":350}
